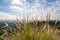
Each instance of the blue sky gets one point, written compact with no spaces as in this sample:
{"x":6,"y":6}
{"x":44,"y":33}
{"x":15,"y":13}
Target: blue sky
{"x":31,"y":8}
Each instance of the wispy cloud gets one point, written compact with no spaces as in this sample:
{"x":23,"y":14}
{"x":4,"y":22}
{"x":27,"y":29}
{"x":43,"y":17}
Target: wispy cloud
{"x":35,"y":8}
{"x":6,"y":16}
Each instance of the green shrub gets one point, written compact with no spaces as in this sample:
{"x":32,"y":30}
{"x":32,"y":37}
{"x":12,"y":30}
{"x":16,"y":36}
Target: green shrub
{"x":1,"y":32}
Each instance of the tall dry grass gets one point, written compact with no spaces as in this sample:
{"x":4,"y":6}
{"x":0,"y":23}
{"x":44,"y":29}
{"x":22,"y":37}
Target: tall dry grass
{"x":31,"y":31}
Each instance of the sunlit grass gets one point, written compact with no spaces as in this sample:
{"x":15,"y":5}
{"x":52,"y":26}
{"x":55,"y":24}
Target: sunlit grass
{"x":31,"y":31}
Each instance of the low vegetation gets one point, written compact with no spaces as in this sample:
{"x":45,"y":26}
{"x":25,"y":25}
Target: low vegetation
{"x":34,"y":31}
{"x":1,"y":33}
{"x":31,"y":31}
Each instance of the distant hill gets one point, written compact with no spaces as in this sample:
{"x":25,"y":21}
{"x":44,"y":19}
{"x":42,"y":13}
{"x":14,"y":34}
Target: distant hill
{"x":11,"y":23}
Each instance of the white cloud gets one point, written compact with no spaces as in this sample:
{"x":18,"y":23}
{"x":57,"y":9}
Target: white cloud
{"x":16,"y":8}
{"x":15,"y":1}
{"x":6,"y":16}
{"x":36,"y":8}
